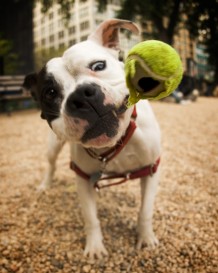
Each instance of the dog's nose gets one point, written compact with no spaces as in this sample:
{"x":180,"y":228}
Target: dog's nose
{"x":81,"y":97}
{"x":85,"y":99}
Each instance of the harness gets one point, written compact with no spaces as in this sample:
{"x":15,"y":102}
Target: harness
{"x":100,"y":179}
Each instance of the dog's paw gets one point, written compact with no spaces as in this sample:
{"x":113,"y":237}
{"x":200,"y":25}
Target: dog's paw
{"x":147,"y":238}
{"x":43,"y":186}
{"x":95,"y":247}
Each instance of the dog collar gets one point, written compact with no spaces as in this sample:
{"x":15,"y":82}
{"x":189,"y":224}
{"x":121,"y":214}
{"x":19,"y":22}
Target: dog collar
{"x":99,"y":179}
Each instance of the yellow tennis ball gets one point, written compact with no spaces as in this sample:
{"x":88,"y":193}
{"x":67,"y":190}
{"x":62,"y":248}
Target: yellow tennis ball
{"x":153,"y":71}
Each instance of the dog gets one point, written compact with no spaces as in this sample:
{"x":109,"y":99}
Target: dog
{"x":83,"y":97}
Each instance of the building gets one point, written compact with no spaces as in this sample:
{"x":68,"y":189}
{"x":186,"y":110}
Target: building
{"x":53,"y":35}
{"x":186,"y":47}
{"x":205,"y":71}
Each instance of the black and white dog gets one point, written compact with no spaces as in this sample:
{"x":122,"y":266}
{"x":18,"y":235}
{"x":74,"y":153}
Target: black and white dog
{"x":83,"y":97}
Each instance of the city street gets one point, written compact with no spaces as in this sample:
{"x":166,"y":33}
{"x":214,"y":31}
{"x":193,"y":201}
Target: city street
{"x":43,"y":232}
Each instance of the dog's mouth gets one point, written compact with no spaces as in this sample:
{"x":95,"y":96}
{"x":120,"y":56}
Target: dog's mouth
{"x":105,"y":126}
{"x":96,"y":127}
{"x":123,"y":107}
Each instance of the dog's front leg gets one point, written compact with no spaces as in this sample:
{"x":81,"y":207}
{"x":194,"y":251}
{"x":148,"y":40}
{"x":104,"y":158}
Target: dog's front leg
{"x":54,"y":148}
{"x":145,"y":229}
{"x":94,"y":240}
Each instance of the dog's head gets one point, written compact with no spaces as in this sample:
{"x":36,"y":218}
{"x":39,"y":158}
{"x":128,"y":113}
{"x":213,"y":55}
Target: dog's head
{"x":83,"y":94}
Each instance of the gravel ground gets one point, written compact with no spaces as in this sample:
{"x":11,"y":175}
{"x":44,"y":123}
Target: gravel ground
{"x":44,"y":232}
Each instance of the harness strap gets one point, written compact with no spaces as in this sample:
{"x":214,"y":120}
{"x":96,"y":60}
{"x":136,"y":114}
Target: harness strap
{"x":142,"y":172}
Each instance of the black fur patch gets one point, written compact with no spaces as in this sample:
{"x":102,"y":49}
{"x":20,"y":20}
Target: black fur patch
{"x":50,"y":106}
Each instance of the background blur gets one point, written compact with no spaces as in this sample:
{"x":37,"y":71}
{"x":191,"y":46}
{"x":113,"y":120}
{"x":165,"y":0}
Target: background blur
{"x":32,"y":32}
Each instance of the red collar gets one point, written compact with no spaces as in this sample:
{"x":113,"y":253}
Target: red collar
{"x":98,"y":177}
{"x":114,"y":151}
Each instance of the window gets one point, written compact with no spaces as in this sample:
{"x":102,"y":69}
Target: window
{"x":83,"y":38}
{"x":51,"y":50}
{"x":51,"y":38}
{"x":72,"y":42}
{"x":84,"y":25}
{"x":43,"y":42}
{"x":72,"y":30}
{"x":50,"y":16}
{"x":61,"y":46}
{"x":61,"y":34}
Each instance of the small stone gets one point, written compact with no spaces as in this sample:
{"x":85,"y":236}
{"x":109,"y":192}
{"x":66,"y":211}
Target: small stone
{"x":86,"y":268}
{"x":57,"y":263}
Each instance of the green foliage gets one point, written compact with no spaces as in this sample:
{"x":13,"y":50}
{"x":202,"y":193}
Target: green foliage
{"x":64,"y":4}
{"x":202,"y":20}
{"x":154,"y":11}
{"x":7,"y":56}
{"x":42,"y":56}
{"x":5,"y":46}
{"x":202,"y":23}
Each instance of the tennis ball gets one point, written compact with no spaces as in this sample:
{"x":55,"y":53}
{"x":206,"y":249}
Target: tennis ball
{"x":153,"y":71}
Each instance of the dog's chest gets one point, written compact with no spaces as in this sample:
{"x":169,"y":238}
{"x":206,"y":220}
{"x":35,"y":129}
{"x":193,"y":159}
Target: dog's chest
{"x":128,"y":159}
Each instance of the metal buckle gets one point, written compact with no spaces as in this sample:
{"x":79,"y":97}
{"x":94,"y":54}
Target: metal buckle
{"x":127,"y":176}
{"x":152,"y":171}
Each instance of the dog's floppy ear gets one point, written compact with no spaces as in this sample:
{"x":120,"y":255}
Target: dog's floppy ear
{"x":107,"y":33}
{"x":30,"y":84}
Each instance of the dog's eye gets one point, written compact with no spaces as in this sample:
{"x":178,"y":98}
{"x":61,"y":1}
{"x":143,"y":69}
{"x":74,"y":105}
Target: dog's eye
{"x":98,"y":66}
{"x":50,"y":94}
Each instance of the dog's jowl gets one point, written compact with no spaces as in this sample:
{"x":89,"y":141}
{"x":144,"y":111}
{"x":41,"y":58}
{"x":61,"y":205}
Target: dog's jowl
{"x":83,"y":97}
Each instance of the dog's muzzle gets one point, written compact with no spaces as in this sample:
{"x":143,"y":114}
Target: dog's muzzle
{"x":87,"y":102}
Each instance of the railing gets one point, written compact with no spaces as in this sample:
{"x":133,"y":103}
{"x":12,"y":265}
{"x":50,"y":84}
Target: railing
{"x":12,"y":96}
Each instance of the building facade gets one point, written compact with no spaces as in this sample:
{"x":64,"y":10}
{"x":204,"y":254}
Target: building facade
{"x":53,"y":35}
{"x":186,"y":47}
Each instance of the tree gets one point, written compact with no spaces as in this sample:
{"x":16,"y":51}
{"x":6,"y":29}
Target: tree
{"x":8,"y":59}
{"x":16,"y":29}
{"x":202,"y":21}
{"x":43,"y":55}
{"x":64,"y":4}
{"x":164,"y":17}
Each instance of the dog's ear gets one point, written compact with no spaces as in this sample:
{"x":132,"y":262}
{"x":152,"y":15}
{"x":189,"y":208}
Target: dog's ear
{"x":107,"y":33}
{"x":30,"y":84}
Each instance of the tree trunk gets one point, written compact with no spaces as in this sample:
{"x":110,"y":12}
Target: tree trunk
{"x":1,"y":65}
{"x":173,"y":20}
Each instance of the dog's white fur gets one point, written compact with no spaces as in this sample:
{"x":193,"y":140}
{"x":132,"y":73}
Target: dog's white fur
{"x":142,"y":149}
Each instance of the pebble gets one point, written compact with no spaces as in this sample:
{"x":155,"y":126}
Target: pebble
{"x":86,"y":268}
